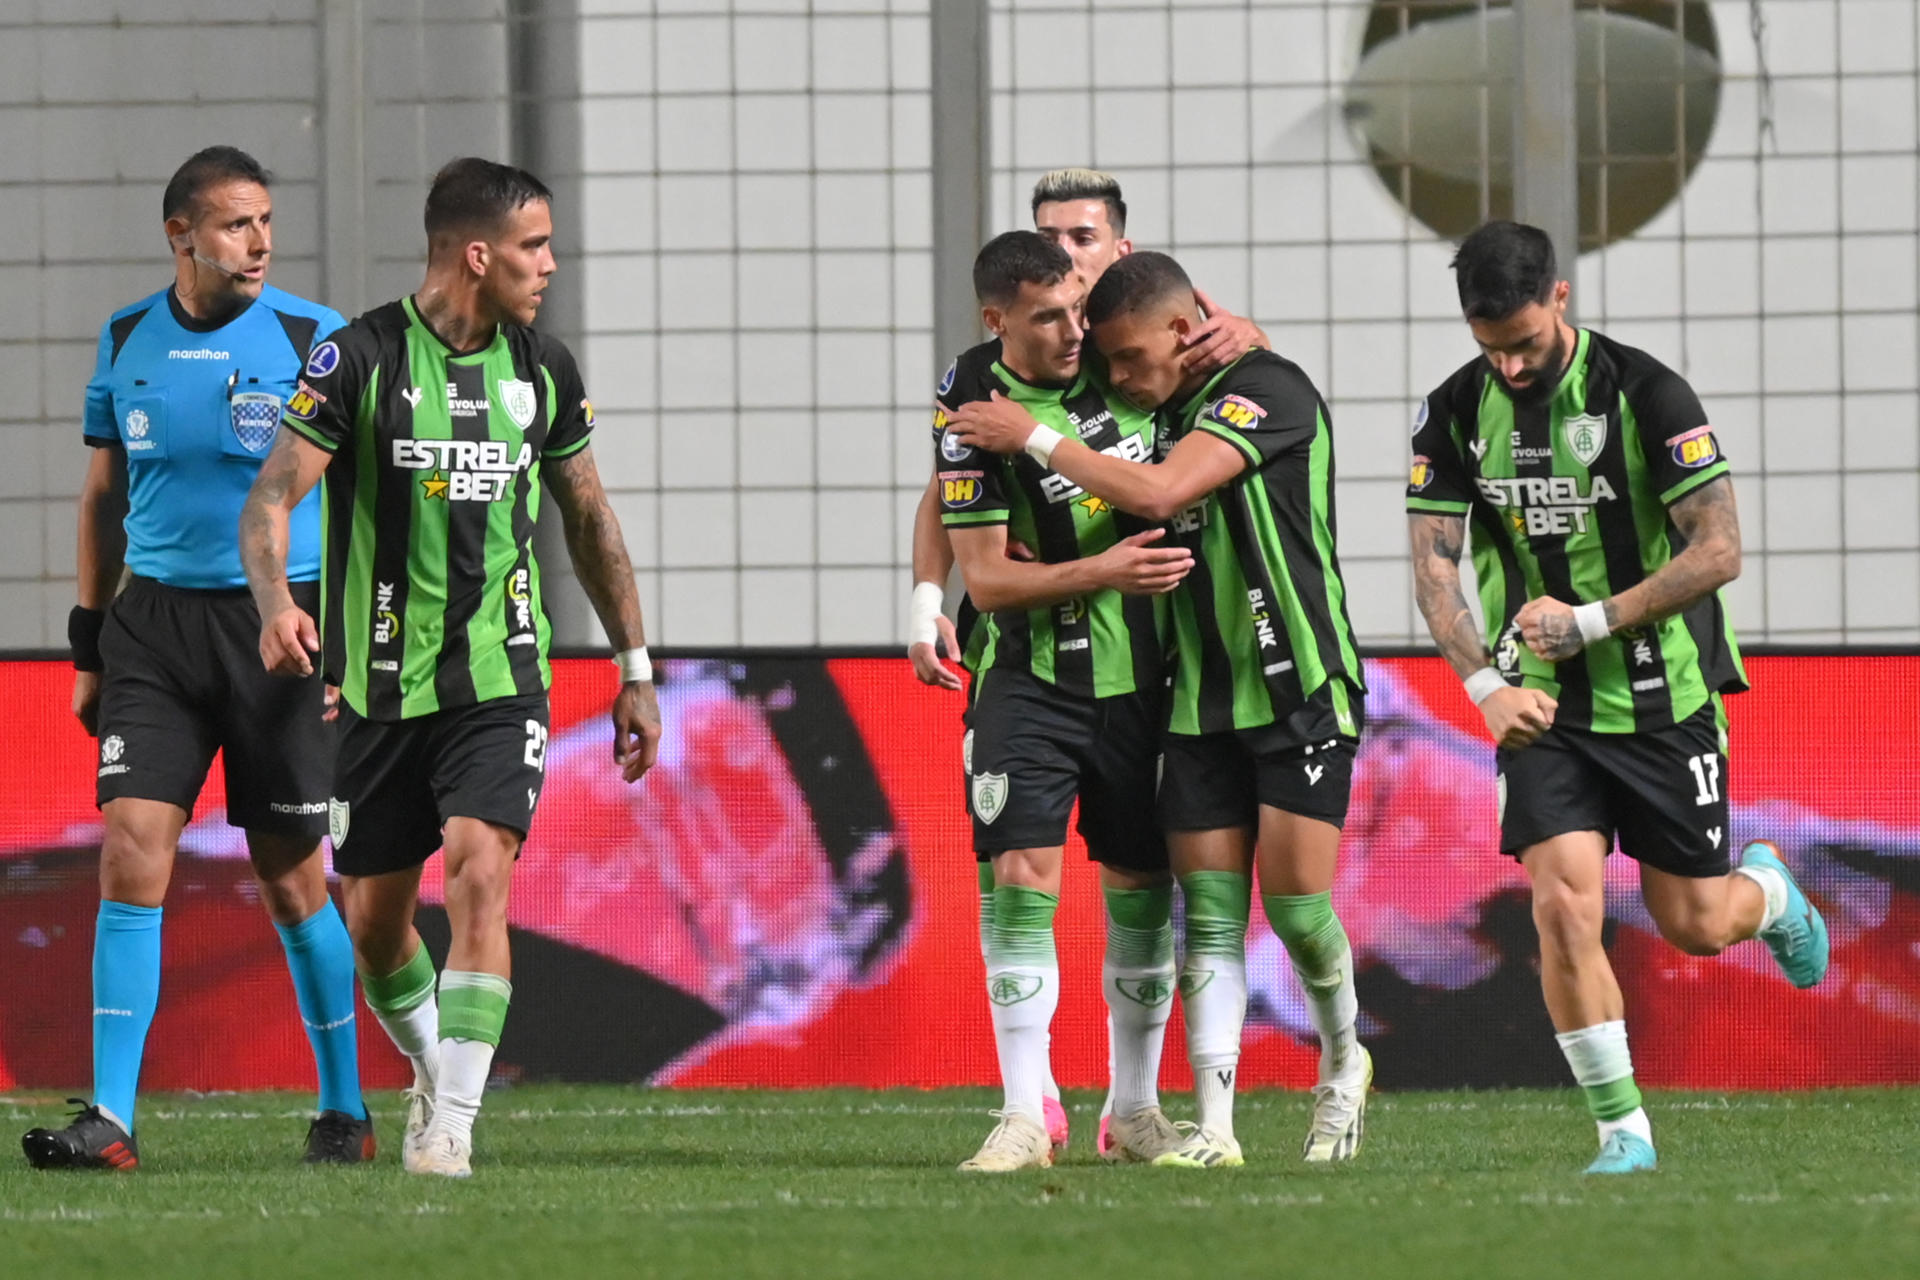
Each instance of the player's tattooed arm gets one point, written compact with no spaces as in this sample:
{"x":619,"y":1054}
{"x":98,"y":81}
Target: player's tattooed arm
{"x":1709,"y":520}
{"x":288,"y":637}
{"x":1438,"y":541}
{"x":600,"y":562}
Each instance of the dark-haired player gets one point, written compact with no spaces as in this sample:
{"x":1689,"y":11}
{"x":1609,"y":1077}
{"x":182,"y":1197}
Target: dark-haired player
{"x":185,"y":397}
{"x":1603,"y":528}
{"x":433,"y":420}
{"x":1265,"y":701}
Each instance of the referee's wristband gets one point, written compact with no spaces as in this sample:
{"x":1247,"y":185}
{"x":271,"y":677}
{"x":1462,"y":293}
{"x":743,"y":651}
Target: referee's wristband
{"x":1592,"y":621}
{"x":1483,"y":684}
{"x":83,"y":637}
{"x":1041,"y":442}
{"x":635,"y":666}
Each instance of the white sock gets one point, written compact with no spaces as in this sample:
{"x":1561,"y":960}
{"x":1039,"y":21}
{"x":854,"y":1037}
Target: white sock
{"x":1139,"y":1001}
{"x":1602,"y":1065}
{"x":415,"y":1032}
{"x":464,"y":1065}
{"x":1334,"y":1016}
{"x":1214,"y":994}
{"x":1048,"y":1089}
{"x":1773,"y":887}
{"x":1023,"y":997}
{"x":1636,"y":1124}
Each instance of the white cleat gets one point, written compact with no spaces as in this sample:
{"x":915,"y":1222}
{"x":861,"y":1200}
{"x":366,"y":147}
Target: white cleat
{"x":1203,"y":1148}
{"x":419,"y":1116}
{"x":1339,"y":1116}
{"x":1015,"y":1143}
{"x":1140,"y":1138}
{"x":443,"y":1154}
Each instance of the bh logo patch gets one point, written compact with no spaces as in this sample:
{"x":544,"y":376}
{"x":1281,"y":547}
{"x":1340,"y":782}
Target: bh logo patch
{"x":1695,"y":448}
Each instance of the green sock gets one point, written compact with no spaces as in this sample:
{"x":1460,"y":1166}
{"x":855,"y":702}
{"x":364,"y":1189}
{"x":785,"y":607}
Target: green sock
{"x":1140,"y":926}
{"x":1323,"y":961}
{"x":986,"y":906}
{"x":404,"y":988}
{"x":1612,"y":1100}
{"x":473,"y":1006}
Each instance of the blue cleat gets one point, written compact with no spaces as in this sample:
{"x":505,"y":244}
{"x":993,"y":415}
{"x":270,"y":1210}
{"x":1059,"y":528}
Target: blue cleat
{"x":1624,"y":1153}
{"x":1798,"y":939}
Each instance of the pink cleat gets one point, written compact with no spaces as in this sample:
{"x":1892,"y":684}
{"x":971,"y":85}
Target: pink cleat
{"x":1057,"y":1127}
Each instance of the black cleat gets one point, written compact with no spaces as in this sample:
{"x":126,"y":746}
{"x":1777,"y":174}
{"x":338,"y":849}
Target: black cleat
{"x":335,"y":1137}
{"x":91,"y":1141}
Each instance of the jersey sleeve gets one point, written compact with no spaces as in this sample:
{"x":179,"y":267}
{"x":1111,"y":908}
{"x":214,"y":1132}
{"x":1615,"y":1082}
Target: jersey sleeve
{"x":327,"y":400}
{"x":1265,"y":415}
{"x":572,"y":427}
{"x":972,"y":481}
{"x":1437,"y":482}
{"x":97,"y":424}
{"x":1680,"y":448}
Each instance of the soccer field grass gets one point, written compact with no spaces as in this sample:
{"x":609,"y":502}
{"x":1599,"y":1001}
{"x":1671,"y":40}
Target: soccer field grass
{"x":611,"y":1181}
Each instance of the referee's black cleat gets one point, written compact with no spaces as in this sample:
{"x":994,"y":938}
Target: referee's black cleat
{"x":91,"y":1141}
{"x":335,"y":1137}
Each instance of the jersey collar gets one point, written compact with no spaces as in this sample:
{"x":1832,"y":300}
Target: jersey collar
{"x":413,"y":314}
{"x":1064,"y":392}
{"x":194,"y":324}
{"x":1199,"y":397}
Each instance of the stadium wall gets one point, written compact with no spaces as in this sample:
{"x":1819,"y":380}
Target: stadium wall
{"x":751,"y":292}
{"x":788,"y":900}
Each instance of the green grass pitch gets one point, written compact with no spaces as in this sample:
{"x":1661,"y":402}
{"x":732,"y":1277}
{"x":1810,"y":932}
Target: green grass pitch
{"x":608,"y":1182}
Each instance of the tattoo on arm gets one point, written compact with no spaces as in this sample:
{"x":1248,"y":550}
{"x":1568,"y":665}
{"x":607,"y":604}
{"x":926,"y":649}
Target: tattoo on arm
{"x":1437,"y":543}
{"x":263,"y":522}
{"x":598,"y":551}
{"x":1709,"y":520}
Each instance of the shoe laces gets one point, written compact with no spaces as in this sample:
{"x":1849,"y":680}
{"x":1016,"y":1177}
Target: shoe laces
{"x":1007,"y":1135}
{"x":1334,"y":1106}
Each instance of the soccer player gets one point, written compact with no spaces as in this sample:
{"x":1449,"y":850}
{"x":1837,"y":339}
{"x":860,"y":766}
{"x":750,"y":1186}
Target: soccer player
{"x":1603,"y":528}
{"x":1265,"y":705}
{"x":1083,"y":212}
{"x":434,"y":420}
{"x":1066,"y":699}
{"x":185,"y":397}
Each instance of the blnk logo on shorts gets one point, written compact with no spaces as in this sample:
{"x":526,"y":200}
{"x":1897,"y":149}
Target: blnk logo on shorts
{"x":989,"y":796}
{"x":324,"y":360}
{"x":1695,"y":448}
{"x":481,"y":470}
{"x":112,"y":747}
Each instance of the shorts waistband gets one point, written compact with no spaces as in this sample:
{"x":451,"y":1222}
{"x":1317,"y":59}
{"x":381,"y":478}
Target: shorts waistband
{"x":203,"y":593}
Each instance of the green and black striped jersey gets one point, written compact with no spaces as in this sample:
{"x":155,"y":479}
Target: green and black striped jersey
{"x":1095,"y":645}
{"x":1261,"y":622}
{"x":432,"y":593}
{"x":1569,"y":499}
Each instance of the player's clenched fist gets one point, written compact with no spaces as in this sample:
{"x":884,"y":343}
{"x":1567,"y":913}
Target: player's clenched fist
{"x":1517,"y":717}
{"x":1134,"y":568}
{"x":287,"y":642}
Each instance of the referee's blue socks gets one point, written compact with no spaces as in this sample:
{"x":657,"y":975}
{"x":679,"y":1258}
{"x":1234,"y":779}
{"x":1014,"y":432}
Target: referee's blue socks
{"x":320,"y":956}
{"x":126,"y":989}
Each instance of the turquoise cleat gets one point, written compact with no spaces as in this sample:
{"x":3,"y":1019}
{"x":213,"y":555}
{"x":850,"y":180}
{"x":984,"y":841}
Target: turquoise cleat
{"x":1798,"y":939}
{"x":1624,"y":1153}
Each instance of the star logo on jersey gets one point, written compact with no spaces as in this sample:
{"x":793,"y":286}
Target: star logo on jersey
{"x":435,"y":486}
{"x":254,"y":417}
{"x":517,"y":399}
{"x":989,"y":796}
{"x":1586,"y":436}
{"x":1094,"y":505}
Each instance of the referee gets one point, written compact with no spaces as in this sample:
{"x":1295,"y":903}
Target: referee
{"x":185,"y":399}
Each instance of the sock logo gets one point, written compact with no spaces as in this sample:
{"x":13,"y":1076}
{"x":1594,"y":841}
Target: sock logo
{"x":1313,"y":773}
{"x":1150,"y":992}
{"x":1194,"y":981}
{"x":1225,"y":1076}
{"x":989,"y":796}
{"x":1012,"y":988}
{"x":1713,"y":834}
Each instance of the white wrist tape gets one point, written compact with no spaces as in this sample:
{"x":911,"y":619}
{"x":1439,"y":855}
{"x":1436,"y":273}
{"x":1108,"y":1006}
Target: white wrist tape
{"x":1041,"y":442}
{"x":1483,"y":684}
{"x":635,"y":666}
{"x":923,"y":613}
{"x":1592,"y":621}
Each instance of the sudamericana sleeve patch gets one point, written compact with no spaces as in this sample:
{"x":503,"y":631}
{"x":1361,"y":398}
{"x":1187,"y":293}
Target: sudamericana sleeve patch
{"x":1695,"y":448}
{"x":1237,"y":412}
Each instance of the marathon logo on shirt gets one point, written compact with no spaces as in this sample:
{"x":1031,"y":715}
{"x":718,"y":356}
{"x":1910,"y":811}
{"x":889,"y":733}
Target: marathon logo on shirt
{"x":1695,"y":448}
{"x":1057,"y":488}
{"x":1546,"y":505}
{"x":463,"y":470}
{"x":196,"y":353}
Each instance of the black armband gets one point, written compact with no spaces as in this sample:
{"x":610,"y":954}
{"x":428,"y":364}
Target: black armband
{"x":83,"y":637}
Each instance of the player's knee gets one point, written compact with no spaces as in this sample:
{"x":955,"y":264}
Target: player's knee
{"x":134,"y":863}
{"x":478,"y":885}
{"x":1568,"y":918}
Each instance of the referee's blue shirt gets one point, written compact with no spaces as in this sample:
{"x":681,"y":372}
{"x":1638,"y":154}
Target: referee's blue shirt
{"x":196,"y":406}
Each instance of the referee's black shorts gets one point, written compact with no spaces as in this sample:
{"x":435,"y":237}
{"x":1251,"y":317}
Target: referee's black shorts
{"x":183,"y":680}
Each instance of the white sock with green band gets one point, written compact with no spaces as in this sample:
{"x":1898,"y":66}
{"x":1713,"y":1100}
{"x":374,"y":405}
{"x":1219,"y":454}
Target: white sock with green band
{"x":1023,"y":990}
{"x":473,"y":1010}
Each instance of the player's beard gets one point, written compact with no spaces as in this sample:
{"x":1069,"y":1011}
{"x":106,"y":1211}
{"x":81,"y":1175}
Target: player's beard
{"x":1540,"y":388}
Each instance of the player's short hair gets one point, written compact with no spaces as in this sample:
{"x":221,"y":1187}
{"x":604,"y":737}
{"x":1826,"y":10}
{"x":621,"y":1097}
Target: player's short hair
{"x":1136,"y":282}
{"x":476,"y":195}
{"x":1014,"y":258}
{"x":1082,"y":184}
{"x":1501,"y":268}
{"x":205,"y":168}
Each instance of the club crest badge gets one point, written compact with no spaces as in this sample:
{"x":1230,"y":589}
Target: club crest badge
{"x":1586,"y":436}
{"x":516,"y":398}
{"x":989,"y":796}
{"x":254,"y":417}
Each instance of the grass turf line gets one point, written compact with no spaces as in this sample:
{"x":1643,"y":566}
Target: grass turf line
{"x":620,"y":1182}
